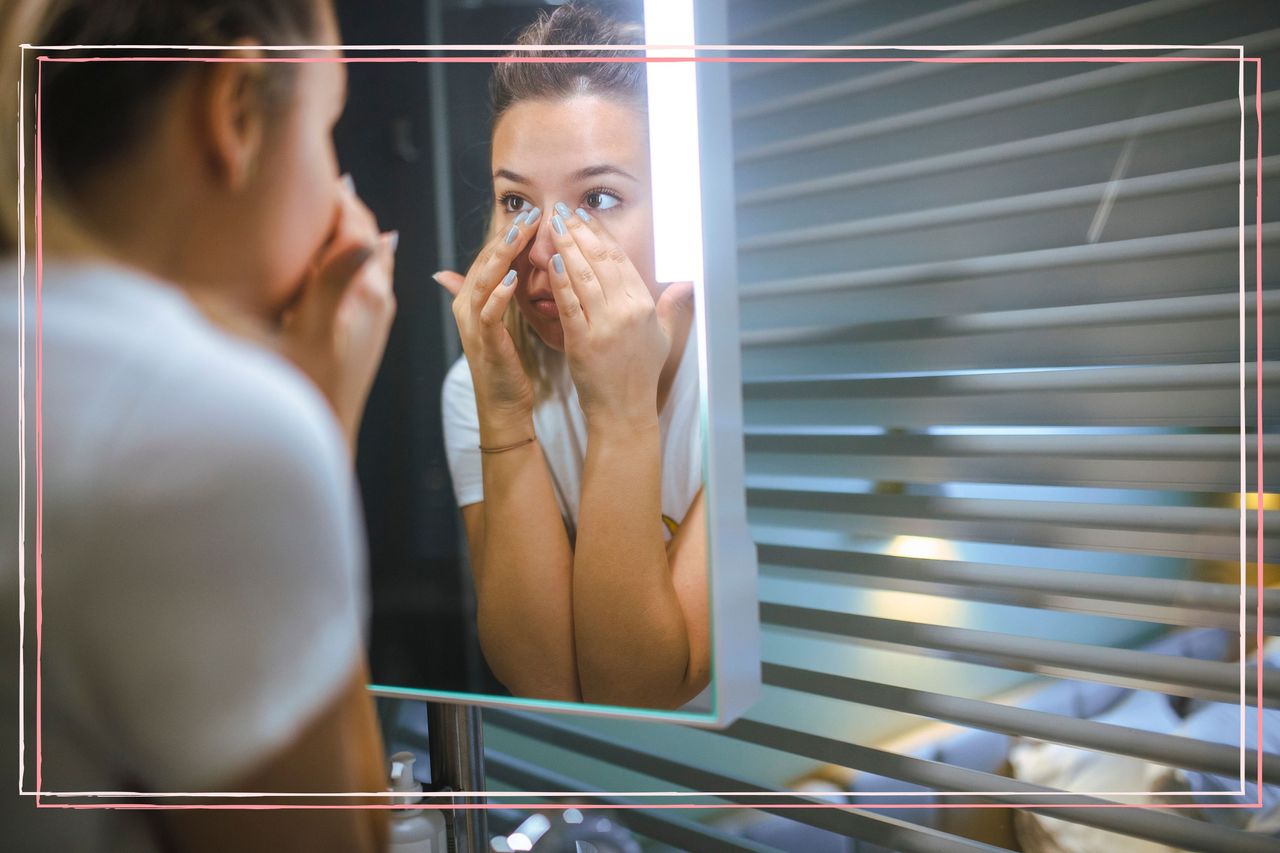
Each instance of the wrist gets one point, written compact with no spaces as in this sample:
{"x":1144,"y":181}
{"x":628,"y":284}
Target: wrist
{"x":505,"y":427}
{"x":623,"y":425}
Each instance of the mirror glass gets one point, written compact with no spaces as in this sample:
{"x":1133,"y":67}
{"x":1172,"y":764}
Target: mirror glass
{"x":535,"y":458}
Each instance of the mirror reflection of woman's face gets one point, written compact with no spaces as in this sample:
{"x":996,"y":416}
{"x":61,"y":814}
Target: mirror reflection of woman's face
{"x":586,"y":151}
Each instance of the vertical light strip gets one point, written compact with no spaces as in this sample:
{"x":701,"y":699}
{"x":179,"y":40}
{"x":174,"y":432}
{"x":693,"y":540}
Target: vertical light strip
{"x":1244,"y":486}
{"x":673,"y":142}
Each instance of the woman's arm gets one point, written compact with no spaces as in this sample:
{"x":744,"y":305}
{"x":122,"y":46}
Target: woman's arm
{"x":640,"y":636}
{"x":520,"y":555}
{"x":640,"y":611}
{"x":522,"y":564}
{"x":338,"y":751}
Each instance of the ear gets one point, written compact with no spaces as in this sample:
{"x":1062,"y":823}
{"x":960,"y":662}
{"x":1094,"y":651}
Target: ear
{"x":231,"y":119}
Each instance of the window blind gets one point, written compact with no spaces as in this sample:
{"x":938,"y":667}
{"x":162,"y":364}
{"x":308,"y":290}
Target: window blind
{"x":991,"y":330}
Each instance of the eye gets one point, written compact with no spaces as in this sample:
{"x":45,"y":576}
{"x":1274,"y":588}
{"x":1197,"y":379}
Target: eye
{"x":601,"y":199}
{"x":512,"y":203}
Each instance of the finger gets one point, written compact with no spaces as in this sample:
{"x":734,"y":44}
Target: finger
{"x":491,"y":314}
{"x":497,"y":256}
{"x":320,"y":305}
{"x":603,"y":253}
{"x":354,"y":224}
{"x":597,"y":241}
{"x":582,"y":275}
{"x":450,"y":281}
{"x":674,"y":303}
{"x":572,"y":318}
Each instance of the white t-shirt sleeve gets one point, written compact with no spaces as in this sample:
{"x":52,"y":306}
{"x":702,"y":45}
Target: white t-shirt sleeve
{"x":462,"y":434}
{"x":231,"y":609}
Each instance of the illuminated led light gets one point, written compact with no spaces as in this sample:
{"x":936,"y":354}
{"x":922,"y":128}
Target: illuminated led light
{"x":519,"y":841}
{"x":534,"y":827}
{"x":673,"y":143}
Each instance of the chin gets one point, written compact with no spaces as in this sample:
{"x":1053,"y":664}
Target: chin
{"x":550,"y":332}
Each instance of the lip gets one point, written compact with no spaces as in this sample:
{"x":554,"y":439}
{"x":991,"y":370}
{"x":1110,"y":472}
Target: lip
{"x":544,"y":304}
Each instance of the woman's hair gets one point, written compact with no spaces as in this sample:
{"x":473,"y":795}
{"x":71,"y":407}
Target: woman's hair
{"x":91,"y":113}
{"x":513,"y":82}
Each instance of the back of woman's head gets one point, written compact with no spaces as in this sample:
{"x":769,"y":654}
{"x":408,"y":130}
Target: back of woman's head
{"x":91,"y":113}
{"x":571,"y":24}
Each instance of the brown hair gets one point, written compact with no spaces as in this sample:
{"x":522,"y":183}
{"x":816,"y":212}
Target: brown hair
{"x":513,"y":82}
{"x":94,"y":112}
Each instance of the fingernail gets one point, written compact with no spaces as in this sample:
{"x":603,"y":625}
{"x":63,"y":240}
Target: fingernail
{"x":435,"y":276}
{"x":519,"y":220}
{"x":393,"y":240}
{"x":512,"y":235}
{"x":558,"y":224}
{"x":349,"y":182}
{"x":582,"y":214}
{"x":558,"y":263}
{"x":509,"y":279}
{"x":533,"y":216}
{"x":562,"y":209}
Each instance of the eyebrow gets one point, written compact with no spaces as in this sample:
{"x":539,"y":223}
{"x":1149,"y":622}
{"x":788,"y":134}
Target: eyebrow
{"x":580,"y":175}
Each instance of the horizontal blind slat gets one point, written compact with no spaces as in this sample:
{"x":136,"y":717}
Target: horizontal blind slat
{"x":979,"y":105}
{"x":1221,"y":174}
{"x":1170,"y":750}
{"x":1140,"y":248}
{"x":890,"y":832}
{"x":1181,"y":832}
{"x":1009,"y":152}
{"x":660,"y":825}
{"x":1163,"y":673}
{"x":1217,"y":603}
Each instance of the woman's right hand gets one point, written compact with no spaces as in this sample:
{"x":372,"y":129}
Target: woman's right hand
{"x":504,"y":395}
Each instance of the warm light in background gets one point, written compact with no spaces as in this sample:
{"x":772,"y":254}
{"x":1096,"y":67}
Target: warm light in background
{"x":922,"y":548}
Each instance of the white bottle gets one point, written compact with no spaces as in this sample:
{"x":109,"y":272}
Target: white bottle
{"x":413,"y":830}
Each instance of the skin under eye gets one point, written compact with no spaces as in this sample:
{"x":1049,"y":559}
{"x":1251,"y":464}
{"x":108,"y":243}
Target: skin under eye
{"x":512,"y":203}
{"x":601,"y":199}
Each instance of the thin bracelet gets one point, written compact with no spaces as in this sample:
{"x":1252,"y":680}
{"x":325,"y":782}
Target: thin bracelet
{"x":507,"y":447}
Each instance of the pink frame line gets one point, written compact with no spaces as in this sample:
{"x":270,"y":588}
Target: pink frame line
{"x":1260,"y":491}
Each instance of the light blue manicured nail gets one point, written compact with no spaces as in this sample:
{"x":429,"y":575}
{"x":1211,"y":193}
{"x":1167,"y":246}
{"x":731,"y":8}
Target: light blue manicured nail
{"x":556,"y":223}
{"x":349,"y":182}
{"x":533,"y":216}
{"x":519,"y":220}
{"x":558,"y":263}
{"x":583,"y":215}
{"x":512,"y":234}
{"x":562,"y":209}
{"x":509,"y":279}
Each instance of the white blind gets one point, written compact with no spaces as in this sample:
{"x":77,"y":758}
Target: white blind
{"x":991,"y":328}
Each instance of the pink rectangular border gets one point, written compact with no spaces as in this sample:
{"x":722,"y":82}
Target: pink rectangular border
{"x":1256,"y":61}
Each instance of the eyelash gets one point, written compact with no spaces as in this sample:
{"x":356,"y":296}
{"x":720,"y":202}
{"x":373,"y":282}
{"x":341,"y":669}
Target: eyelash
{"x":506,"y":198}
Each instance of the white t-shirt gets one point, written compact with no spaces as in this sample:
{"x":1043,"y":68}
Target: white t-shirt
{"x":561,"y":428}
{"x":203,"y":572}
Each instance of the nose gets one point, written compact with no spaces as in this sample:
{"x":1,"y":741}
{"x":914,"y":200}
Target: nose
{"x":541,"y":248}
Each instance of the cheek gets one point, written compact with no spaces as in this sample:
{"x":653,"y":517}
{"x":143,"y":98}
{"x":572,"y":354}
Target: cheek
{"x":305,"y":191}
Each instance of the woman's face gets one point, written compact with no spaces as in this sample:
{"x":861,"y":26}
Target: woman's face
{"x":295,"y":184}
{"x":588,"y":152}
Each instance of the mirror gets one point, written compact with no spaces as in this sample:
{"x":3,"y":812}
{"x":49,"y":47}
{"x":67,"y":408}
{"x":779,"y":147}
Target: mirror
{"x":552,"y":467}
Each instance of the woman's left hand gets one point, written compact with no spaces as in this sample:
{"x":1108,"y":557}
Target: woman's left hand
{"x":617,"y":338}
{"x":337,"y":330}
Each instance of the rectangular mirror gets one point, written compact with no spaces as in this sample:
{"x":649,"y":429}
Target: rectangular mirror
{"x":552,"y":468}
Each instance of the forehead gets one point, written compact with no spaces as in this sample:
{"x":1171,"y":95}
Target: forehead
{"x":546,"y":140}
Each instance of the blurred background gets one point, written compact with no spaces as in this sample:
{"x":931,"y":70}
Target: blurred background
{"x":991,"y":334}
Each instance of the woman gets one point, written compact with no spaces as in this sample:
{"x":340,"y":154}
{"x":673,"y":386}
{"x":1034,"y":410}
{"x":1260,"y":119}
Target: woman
{"x":203,"y":568}
{"x":572,"y":422}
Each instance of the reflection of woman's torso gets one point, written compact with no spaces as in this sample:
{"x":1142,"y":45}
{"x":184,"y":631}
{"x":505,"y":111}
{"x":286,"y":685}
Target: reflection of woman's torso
{"x":562,"y":433}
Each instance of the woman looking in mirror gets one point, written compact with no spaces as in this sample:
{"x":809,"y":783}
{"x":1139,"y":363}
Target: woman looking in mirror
{"x":572,"y":422}
{"x":205,"y":578}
